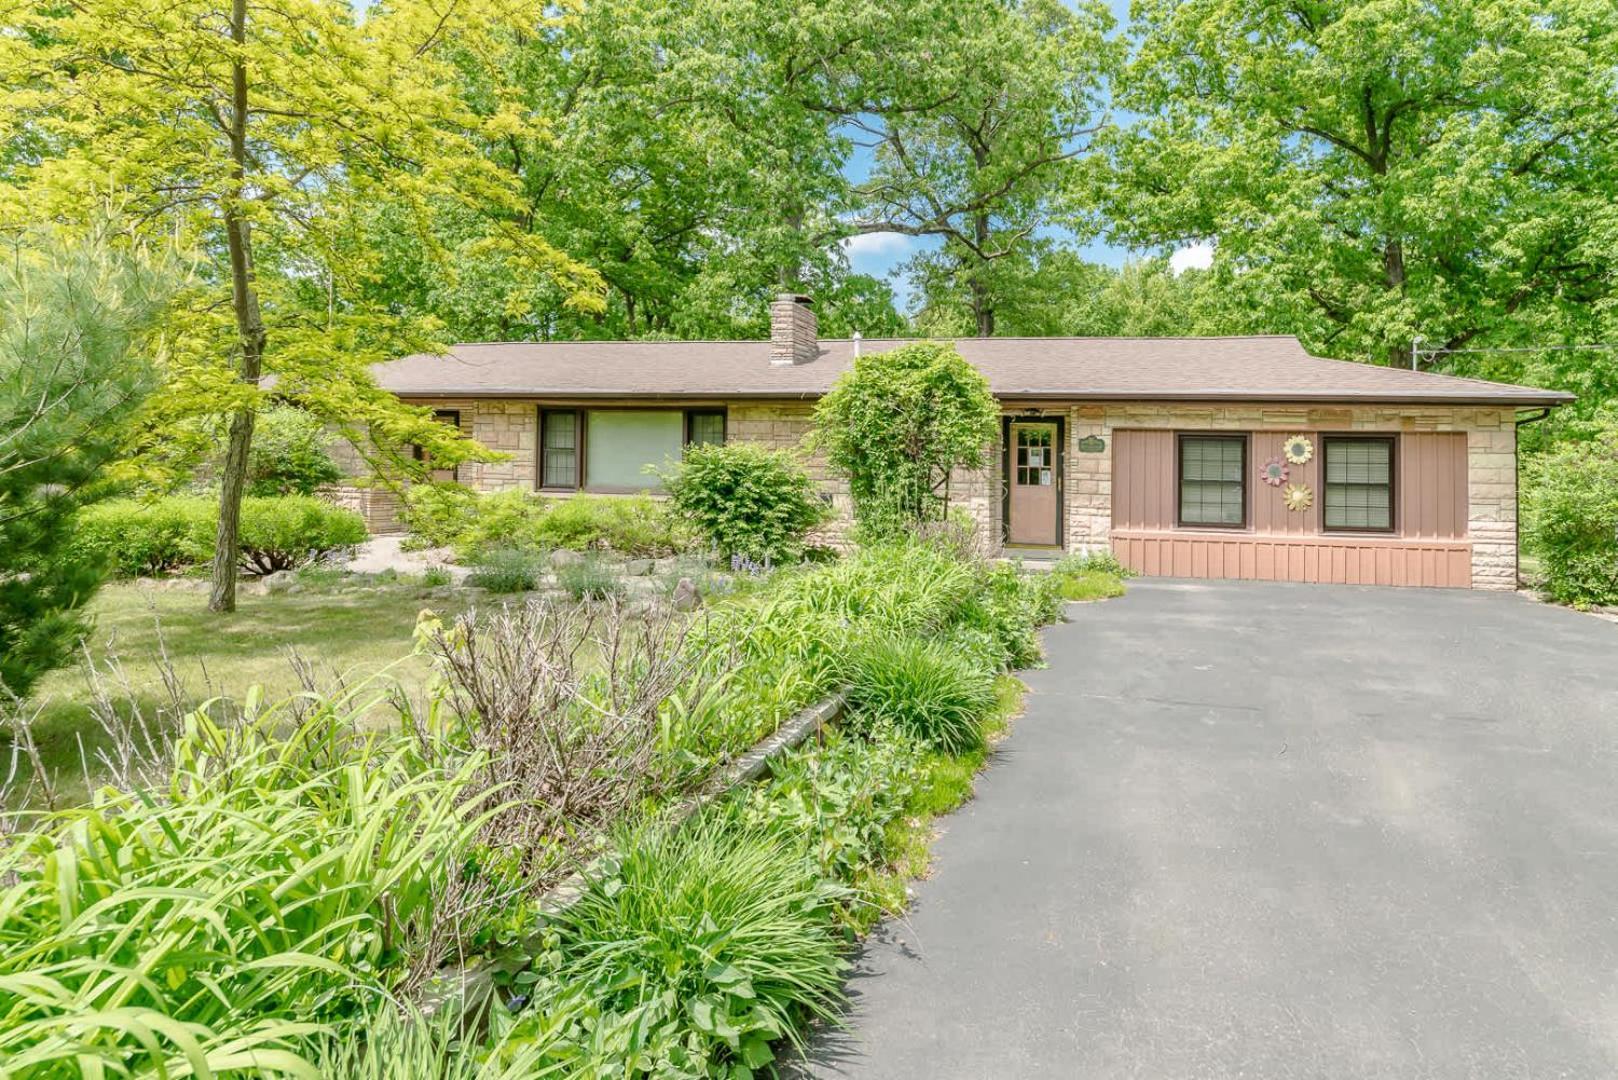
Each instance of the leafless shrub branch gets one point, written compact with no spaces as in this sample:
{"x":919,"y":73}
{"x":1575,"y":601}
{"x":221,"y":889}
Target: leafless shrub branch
{"x":567,"y":703}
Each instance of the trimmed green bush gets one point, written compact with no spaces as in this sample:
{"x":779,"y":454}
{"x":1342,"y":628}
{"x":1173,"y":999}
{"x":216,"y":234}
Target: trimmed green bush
{"x":450,"y":515}
{"x":290,"y":531}
{"x":1570,"y":497}
{"x":132,"y":538}
{"x":725,"y":930}
{"x":506,"y":570}
{"x":747,"y":500}
{"x":923,"y":688}
{"x":135,"y":538}
{"x":627,"y":524}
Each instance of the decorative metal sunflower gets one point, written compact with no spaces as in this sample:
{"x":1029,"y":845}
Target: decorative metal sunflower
{"x":1273,"y":472}
{"x":1298,"y":496}
{"x":1298,"y":449}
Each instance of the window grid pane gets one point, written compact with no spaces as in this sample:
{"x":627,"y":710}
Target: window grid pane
{"x":560,"y":457}
{"x":1359,"y":484}
{"x":707,"y":428}
{"x":1212,"y":481}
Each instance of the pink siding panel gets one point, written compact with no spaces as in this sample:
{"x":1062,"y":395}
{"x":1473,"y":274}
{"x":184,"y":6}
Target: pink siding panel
{"x":1330,"y":559}
{"x":1432,"y":485}
{"x":1430,"y":547}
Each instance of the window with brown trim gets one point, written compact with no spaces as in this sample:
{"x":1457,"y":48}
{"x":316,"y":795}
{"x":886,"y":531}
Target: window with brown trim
{"x":705,"y":427}
{"x":559,"y":448}
{"x":618,"y":449}
{"x":1212,"y":481}
{"x":1358,"y":493}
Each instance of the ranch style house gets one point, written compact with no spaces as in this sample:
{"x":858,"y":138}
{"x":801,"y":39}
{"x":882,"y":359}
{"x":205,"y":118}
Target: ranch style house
{"x":1228,"y":457}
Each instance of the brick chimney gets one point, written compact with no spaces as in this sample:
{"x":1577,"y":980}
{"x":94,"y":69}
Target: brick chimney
{"x":794,"y":330}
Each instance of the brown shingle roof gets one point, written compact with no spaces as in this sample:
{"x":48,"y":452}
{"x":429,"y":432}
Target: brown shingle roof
{"x":1265,"y":368}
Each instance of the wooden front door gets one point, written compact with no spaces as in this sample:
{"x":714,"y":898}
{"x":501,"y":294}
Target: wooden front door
{"x":1035,"y":483}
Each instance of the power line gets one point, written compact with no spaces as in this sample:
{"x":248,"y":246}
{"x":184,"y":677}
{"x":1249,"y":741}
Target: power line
{"x":1521,"y":348}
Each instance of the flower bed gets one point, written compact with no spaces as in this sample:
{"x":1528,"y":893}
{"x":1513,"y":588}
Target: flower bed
{"x":697,"y":951}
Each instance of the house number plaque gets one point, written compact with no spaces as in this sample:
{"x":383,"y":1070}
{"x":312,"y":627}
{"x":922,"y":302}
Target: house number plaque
{"x":1092,"y":444}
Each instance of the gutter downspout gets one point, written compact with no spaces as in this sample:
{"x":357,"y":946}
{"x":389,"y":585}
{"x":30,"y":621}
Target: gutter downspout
{"x":1516,"y":479}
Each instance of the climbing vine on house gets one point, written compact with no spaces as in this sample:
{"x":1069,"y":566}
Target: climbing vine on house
{"x":897,"y":424}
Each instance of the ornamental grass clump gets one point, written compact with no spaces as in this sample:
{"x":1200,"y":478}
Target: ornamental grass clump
{"x":726,"y":930}
{"x":923,"y":688}
{"x":281,"y":876}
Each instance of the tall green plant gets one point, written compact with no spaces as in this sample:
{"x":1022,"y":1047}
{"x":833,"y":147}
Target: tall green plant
{"x":279,"y":875}
{"x":897,"y":424}
{"x":75,"y":365}
{"x":747,"y":499}
{"x":1570,"y":503}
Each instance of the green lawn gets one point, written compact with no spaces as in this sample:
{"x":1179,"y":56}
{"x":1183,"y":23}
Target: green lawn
{"x":355,"y":633}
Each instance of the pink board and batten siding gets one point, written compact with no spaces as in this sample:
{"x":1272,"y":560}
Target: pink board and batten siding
{"x":1429,"y":547}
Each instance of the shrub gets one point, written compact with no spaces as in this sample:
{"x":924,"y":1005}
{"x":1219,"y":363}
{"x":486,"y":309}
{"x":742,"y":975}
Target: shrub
{"x":1571,"y":514}
{"x":628,"y":524}
{"x":841,"y":795}
{"x":435,"y":515}
{"x":897,"y":424}
{"x":288,"y":532}
{"x":588,"y":579}
{"x":289,"y":454}
{"x":440,"y":515}
{"x":1096,"y":562}
{"x":747,"y":500}
{"x":131,"y":538}
{"x":286,"y":872}
{"x":1010,"y":607}
{"x":506,"y":570}
{"x":923,"y":688}
{"x":726,"y":928}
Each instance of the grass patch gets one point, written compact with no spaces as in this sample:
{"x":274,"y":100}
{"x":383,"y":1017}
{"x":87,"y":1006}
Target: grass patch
{"x":353,"y":633}
{"x":1091,"y":585}
{"x":945,"y":784}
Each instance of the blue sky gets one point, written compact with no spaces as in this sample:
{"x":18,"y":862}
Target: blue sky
{"x":880,"y":254}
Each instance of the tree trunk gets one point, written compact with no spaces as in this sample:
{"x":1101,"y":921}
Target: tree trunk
{"x":249,"y":332}
{"x":1393,"y":273}
{"x":982,"y":302}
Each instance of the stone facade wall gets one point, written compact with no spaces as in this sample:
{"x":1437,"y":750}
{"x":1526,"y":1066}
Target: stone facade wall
{"x":1491,"y":462}
{"x":512,"y":428}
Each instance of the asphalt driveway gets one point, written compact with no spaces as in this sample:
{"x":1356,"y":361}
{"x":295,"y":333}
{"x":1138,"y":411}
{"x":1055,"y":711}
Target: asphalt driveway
{"x":1253,"y":830}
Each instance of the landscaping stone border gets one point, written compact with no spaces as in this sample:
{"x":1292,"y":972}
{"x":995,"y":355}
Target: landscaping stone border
{"x":473,"y":985}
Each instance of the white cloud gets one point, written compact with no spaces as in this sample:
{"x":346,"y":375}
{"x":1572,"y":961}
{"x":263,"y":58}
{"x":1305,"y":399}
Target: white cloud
{"x":1198,"y":256}
{"x":877,"y":245}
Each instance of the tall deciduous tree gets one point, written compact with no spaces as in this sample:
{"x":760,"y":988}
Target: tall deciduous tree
{"x":975,"y":155}
{"x":1377,"y":171}
{"x":256,"y":129}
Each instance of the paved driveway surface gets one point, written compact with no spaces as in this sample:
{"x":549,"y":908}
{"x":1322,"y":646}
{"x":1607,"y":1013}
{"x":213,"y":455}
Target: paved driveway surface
{"x":1251,"y":830}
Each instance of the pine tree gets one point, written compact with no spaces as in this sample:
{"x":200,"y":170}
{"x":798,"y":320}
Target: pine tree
{"x":74,"y":368}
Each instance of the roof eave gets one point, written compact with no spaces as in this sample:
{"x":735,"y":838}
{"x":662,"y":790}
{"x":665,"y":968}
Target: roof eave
{"x":1550,"y":398}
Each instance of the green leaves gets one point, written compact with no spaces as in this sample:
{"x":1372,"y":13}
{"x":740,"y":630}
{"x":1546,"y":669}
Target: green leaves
{"x":897,"y":424}
{"x":747,"y":500}
{"x":281,"y":879}
{"x":1376,"y":172}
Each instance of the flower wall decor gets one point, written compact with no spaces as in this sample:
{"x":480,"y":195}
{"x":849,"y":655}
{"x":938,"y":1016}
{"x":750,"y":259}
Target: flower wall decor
{"x":1273,"y":472}
{"x":1298,"y":496}
{"x":1298,"y":449}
